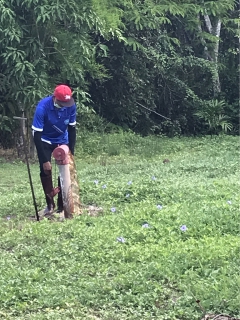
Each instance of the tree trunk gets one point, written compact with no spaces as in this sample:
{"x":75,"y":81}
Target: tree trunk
{"x":217,"y":84}
{"x":68,"y":180}
{"x":215,"y":31}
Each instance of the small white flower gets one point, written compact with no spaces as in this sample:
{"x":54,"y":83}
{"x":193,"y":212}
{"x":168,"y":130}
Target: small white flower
{"x":121,"y":239}
{"x":183,"y":228}
{"x":145,"y":225}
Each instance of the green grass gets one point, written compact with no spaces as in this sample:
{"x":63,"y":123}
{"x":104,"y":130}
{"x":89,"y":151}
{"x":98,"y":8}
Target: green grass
{"x":78,"y":270}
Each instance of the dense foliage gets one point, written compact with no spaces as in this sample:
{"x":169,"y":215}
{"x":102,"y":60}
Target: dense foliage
{"x":173,"y":57}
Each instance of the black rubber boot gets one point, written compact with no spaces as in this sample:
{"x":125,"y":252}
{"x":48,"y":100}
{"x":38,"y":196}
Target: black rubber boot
{"x":59,"y":199}
{"x":49,"y":191}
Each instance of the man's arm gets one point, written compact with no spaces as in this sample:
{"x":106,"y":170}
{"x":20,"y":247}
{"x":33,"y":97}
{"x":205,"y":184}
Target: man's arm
{"x":72,"y":129}
{"x":71,"y":138}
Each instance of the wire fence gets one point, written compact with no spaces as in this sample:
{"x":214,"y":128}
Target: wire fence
{"x":12,"y":142}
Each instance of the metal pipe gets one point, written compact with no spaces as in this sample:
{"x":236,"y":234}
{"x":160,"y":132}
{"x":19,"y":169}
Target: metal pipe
{"x":28,"y":168}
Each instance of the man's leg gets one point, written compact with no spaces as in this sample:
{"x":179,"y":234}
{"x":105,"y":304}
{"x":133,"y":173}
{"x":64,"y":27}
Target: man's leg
{"x":46,"y":179}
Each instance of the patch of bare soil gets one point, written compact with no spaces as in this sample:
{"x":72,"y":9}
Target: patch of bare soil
{"x":90,"y":210}
{"x":218,"y":317}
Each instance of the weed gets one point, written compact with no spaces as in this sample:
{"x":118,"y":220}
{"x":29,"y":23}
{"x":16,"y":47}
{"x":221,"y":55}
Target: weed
{"x":168,"y":235}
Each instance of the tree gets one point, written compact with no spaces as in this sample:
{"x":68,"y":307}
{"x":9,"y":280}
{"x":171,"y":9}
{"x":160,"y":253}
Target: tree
{"x":213,"y":15}
{"x":43,"y":44}
{"x":170,"y":56}
{"x":170,"y":64}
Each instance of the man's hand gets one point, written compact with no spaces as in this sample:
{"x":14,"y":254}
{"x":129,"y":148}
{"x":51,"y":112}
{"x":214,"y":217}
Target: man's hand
{"x":71,"y":138}
{"x":47,"y":167}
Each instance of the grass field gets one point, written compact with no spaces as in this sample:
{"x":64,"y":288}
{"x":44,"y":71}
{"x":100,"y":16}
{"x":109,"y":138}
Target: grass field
{"x":168,"y":235}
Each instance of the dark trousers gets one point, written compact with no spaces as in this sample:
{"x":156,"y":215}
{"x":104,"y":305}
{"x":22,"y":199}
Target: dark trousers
{"x":46,"y":179}
{"x":48,"y":150}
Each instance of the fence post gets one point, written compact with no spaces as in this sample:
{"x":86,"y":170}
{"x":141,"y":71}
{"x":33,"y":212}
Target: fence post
{"x":21,"y":136}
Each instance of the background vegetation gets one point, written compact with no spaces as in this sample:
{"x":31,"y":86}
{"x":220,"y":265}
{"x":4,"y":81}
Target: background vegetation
{"x":178,"y":58}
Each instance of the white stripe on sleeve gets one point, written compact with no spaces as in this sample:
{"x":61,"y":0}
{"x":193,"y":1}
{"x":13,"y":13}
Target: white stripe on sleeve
{"x":36,"y":129}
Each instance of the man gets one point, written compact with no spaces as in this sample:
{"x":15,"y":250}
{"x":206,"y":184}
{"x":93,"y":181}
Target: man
{"x":53,"y":125}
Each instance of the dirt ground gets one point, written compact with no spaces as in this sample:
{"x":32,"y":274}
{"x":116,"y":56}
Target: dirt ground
{"x":218,"y":317}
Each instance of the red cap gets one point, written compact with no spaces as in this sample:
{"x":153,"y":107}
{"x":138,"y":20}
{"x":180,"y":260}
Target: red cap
{"x":64,"y":95}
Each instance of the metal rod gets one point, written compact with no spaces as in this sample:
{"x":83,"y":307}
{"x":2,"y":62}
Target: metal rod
{"x":153,"y":111}
{"x":28,"y":168}
{"x":20,"y":118}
